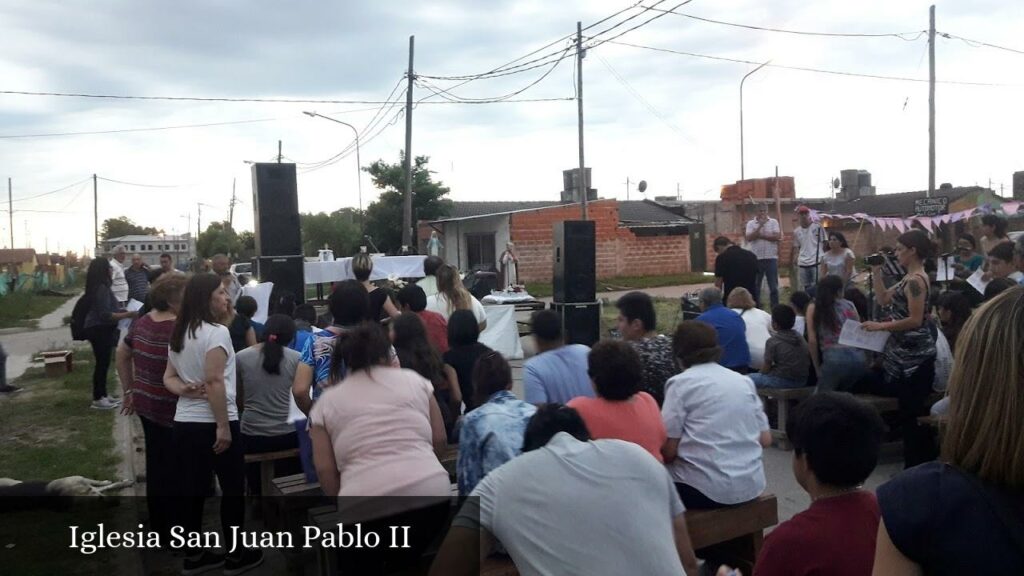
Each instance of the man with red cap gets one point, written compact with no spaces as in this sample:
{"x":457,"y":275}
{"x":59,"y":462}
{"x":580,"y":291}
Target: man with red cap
{"x":807,"y":251}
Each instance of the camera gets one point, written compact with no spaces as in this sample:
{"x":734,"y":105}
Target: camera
{"x":876,"y":259}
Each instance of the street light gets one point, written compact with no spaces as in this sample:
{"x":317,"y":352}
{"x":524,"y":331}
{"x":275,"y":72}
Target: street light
{"x":742,"y":174}
{"x":359,"y":162}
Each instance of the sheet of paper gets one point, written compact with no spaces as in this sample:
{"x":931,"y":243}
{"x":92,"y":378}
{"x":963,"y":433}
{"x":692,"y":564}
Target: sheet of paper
{"x":976,"y":282}
{"x":799,"y":325}
{"x":854,"y":335}
{"x":261,"y":292}
{"x":126,"y":323}
{"x":945,"y":272}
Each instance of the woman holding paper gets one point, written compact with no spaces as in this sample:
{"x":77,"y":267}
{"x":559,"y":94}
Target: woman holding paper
{"x":966,"y":260}
{"x":838,"y":367}
{"x":908,"y":361}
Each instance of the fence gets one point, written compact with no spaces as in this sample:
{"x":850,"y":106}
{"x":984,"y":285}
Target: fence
{"x":38,"y":281}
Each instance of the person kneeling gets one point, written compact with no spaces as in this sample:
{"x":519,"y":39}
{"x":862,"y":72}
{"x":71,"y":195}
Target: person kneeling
{"x":836,"y":440}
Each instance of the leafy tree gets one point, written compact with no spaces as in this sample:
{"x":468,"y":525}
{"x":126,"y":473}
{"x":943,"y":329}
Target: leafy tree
{"x":339,"y":231}
{"x":124,"y":226}
{"x":384,"y":217}
{"x":247,"y":242}
{"x":219,"y":238}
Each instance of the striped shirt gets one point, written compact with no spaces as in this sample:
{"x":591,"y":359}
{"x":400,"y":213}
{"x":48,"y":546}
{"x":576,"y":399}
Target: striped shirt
{"x":149,"y":341}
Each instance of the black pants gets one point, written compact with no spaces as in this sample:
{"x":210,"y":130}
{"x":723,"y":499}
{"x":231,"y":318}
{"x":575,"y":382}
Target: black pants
{"x":261,"y":444}
{"x":694,"y":499}
{"x":717,"y":554}
{"x":197,"y":462}
{"x":912,"y":393}
{"x":161,"y":476}
{"x":102,"y":339}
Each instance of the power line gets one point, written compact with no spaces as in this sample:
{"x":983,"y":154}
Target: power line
{"x":816,"y":70}
{"x":446,"y":93}
{"x":978,"y":43}
{"x":640,"y":25}
{"x":901,"y":35}
{"x":137,"y":184}
{"x":639,"y":97}
{"x":61,"y":189}
{"x":349,"y":149}
{"x":123,"y":130}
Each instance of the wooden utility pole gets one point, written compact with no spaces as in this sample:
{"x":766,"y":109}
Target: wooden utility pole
{"x":10,"y":211}
{"x":931,"y":101}
{"x":231,"y":206}
{"x":95,"y":217}
{"x":582,"y":182}
{"x":407,"y":237}
{"x":199,"y":219}
{"x":278,"y":151}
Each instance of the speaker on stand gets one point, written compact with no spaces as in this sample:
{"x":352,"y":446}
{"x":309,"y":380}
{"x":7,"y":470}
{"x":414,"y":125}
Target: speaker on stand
{"x":278,"y":231}
{"x":575,"y":281}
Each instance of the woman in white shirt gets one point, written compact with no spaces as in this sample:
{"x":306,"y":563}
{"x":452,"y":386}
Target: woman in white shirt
{"x":757,"y":321}
{"x":452,"y":295}
{"x":838,"y":260}
{"x":201,"y":371}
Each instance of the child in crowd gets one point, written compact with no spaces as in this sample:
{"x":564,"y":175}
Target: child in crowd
{"x":799,"y":301}
{"x":786,"y":359}
{"x":836,"y":440}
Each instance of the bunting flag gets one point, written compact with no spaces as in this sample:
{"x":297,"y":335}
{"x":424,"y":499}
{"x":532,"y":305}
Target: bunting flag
{"x":900,"y":224}
{"x":929,"y":223}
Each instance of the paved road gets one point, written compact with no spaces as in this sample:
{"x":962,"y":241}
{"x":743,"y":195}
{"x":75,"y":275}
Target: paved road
{"x":22,"y":345}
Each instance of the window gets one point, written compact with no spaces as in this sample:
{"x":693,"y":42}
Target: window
{"x":480,"y":250}
{"x":131,"y":247}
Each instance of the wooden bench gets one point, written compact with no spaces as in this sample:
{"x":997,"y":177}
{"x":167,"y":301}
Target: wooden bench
{"x":449,"y":459}
{"x":266,"y":461}
{"x":784,"y":399}
{"x":706,"y":527}
{"x":881,"y":403}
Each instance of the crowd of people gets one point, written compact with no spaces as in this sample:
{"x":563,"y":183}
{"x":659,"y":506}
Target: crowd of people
{"x":598,"y":462}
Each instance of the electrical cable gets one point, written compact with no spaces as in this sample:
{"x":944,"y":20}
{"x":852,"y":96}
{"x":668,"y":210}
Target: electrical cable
{"x":61,"y":189}
{"x":142,"y":185}
{"x":901,"y":35}
{"x":977,"y":43}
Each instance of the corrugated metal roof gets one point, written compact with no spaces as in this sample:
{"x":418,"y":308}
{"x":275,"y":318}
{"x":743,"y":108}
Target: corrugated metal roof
{"x":647,"y":212}
{"x":630,"y":212}
{"x":474,"y":209}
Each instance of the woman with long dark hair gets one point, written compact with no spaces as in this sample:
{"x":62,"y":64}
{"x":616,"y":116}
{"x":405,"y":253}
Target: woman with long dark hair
{"x":954,"y":309}
{"x":464,"y":350}
{"x":101,"y":327}
{"x":409,"y":337}
{"x":838,"y":367}
{"x":452,"y":295}
{"x":493,"y":433}
{"x":265,"y":375}
{"x":908,"y":360}
{"x":201,"y":371}
{"x":838,"y":259}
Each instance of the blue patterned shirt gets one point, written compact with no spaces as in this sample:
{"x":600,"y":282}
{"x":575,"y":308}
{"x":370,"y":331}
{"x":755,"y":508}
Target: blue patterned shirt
{"x":491,"y":435}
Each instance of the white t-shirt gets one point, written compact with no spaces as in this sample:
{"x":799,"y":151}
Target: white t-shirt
{"x":759,"y":326}
{"x":190,"y":364}
{"x":808,"y":240}
{"x":119,"y":284}
{"x":439,"y":303}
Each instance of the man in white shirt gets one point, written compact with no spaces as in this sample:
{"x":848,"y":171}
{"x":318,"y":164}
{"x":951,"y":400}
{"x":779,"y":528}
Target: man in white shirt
{"x":119,"y":285}
{"x":569,"y":504}
{"x":222,"y":267}
{"x":763,"y":235}
{"x":807,"y":250}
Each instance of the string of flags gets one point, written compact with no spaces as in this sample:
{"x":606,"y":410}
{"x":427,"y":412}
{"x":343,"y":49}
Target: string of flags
{"x":929,"y":223}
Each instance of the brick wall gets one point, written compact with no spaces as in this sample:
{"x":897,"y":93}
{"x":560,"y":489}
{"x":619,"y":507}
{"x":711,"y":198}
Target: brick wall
{"x":619,"y":252}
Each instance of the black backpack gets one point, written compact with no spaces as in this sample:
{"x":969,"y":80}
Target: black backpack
{"x":78,"y":315}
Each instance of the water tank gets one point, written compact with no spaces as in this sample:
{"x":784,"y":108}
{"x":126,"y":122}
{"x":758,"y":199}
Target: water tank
{"x":863,"y":179}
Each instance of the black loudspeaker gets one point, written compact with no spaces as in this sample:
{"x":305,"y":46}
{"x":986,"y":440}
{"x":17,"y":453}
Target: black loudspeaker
{"x":581,"y":322}
{"x":275,"y":204}
{"x":287,"y":274}
{"x":575,"y":278}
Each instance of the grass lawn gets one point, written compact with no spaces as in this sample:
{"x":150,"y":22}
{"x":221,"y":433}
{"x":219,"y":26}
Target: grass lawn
{"x":50,"y":431}
{"x":666,"y":309}
{"x":22,"y":309}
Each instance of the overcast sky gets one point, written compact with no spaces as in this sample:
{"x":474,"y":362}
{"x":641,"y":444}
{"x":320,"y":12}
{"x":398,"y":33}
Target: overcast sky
{"x":669,"y":119}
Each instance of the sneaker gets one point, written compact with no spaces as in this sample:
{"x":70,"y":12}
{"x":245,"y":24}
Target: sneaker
{"x":104,"y":404}
{"x":249,"y":559}
{"x":113,"y":399}
{"x":6,"y":389}
{"x":208,"y":561}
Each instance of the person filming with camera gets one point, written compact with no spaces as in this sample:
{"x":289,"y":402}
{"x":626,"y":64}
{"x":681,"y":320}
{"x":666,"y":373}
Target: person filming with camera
{"x":908,"y":360}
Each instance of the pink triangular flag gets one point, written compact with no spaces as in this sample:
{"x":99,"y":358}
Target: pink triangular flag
{"x":900,"y":224}
{"x":882,"y":223}
{"x":1011,"y":208}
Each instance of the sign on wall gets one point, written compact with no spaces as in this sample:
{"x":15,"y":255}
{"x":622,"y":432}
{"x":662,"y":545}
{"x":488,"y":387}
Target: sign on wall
{"x":935,"y":206}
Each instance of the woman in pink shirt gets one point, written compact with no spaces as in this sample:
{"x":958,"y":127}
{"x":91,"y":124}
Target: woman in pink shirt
{"x":375,"y":434}
{"x":620,"y":411}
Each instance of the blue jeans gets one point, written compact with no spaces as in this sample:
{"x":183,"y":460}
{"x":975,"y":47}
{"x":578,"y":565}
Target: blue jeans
{"x":770,"y":381}
{"x":841,"y":368}
{"x":767,"y":269}
{"x":808,"y":279}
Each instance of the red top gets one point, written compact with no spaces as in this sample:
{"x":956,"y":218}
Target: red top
{"x":835,"y":536}
{"x":636,"y":420}
{"x":437,"y":329}
{"x":149,"y":341}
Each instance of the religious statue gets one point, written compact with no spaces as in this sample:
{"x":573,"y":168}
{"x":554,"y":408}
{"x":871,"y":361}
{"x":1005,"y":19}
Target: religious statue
{"x":509,"y":265}
{"x":434,"y":245}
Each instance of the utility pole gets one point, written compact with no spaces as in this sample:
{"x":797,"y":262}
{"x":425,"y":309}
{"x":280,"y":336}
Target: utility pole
{"x":95,"y":216}
{"x":199,"y":219}
{"x":627,"y":188}
{"x":278,"y":151}
{"x":10,"y":211}
{"x":931,"y":101}
{"x":407,"y":200}
{"x":579,"y":111}
{"x":231,"y":206}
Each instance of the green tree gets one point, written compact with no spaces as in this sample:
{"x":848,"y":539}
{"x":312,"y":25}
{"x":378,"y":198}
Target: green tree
{"x":247,"y":243}
{"x":384,"y":217}
{"x":219,"y":238}
{"x":124,"y":226}
{"x":339,"y":231}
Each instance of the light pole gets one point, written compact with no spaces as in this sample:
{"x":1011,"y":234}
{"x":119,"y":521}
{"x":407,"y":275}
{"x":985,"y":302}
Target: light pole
{"x":747,"y":75}
{"x":359,"y":162}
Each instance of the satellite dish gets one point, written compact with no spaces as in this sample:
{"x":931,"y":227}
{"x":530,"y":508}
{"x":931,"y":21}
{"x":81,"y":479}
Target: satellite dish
{"x":835,"y":184}
{"x":642,"y":187}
